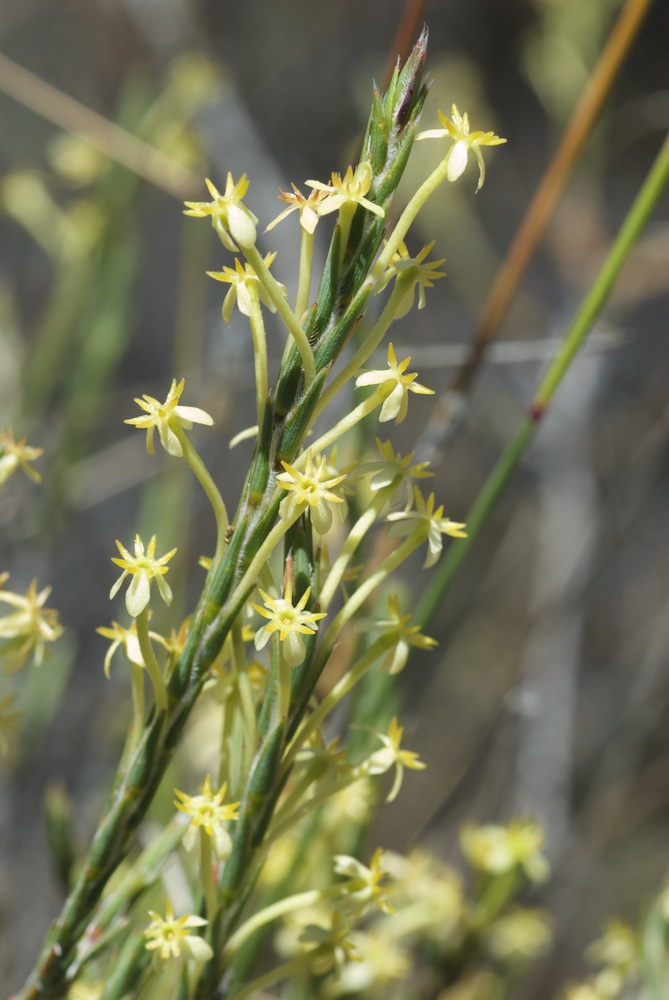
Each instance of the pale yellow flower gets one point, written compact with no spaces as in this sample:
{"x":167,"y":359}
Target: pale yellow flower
{"x":349,"y":190}
{"x":425,"y":518}
{"x":143,"y":567}
{"x":166,"y":416}
{"x":240,"y":278}
{"x":373,"y":884}
{"x":29,"y":627}
{"x":424,"y":275}
{"x":292,"y":622}
{"x":393,"y":467}
{"x":232,"y":220}
{"x":17,"y":455}
{"x":332,"y":946}
{"x":463,"y":141}
{"x":405,"y":636}
{"x":392,"y":755}
{"x":170,"y":936}
{"x":208,"y":814}
{"x":500,"y":849}
{"x":395,"y":406}
{"x":312,"y":489}
{"x":306,"y":207}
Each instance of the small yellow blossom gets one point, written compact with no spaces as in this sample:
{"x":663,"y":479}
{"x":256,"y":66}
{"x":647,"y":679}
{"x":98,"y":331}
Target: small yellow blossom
{"x":395,"y":467}
{"x":425,"y":518}
{"x":463,"y":140}
{"x":520,"y":935}
{"x":232,"y":220}
{"x":306,"y":207}
{"x":424,"y":275}
{"x":405,"y":636}
{"x":310,"y":489}
{"x":241,"y":278}
{"x":392,"y":755}
{"x":9,"y":721}
{"x":373,"y":888}
{"x":17,"y":455}
{"x":143,"y":567}
{"x":166,"y":416}
{"x":500,"y":849}
{"x":29,"y":628}
{"x":332,"y":946}
{"x":290,"y":621}
{"x":349,"y":190}
{"x":380,"y":960}
{"x":395,"y":406}
{"x":208,"y":814}
{"x":121,"y":637}
{"x":169,"y":936}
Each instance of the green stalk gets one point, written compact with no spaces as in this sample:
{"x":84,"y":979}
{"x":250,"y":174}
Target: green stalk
{"x":259,"y":351}
{"x":583,"y":321}
{"x":150,"y":661}
{"x":304,"y":279}
{"x":208,"y":485}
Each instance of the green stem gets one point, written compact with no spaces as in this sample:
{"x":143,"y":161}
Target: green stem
{"x":361,"y":411}
{"x":285,"y":971}
{"x":207,"y":875}
{"x":581,"y":325}
{"x":150,"y":661}
{"x":251,"y":575}
{"x":299,"y":901}
{"x":245,"y":696}
{"x":208,"y":485}
{"x":259,"y":351}
{"x":304,"y":279}
{"x":285,"y":312}
{"x":283,"y":700}
{"x":277,"y":830}
{"x":138,"y":708}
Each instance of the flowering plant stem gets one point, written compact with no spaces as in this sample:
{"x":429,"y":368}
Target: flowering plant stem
{"x":304,"y":279}
{"x":150,"y":661}
{"x":209,"y":486}
{"x":583,"y":321}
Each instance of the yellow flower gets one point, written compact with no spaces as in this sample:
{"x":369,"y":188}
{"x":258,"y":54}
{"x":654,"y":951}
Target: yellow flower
{"x":395,"y":406}
{"x":143,"y":567}
{"x":310,"y":489}
{"x":17,"y":455}
{"x":500,"y":849}
{"x":394,"y":467}
{"x":240,"y":278}
{"x":405,"y":636}
{"x":166,"y":416}
{"x":424,"y":275}
{"x":425,"y":518}
{"x":305,"y":206}
{"x":350,"y":190}
{"x":392,"y":755}
{"x":464,"y":140}
{"x":332,"y":946}
{"x":207,"y":813}
{"x":232,"y":220}
{"x":169,"y":936}
{"x":28,"y":628}
{"x":372,"y":888}
{"x":290,"y":621}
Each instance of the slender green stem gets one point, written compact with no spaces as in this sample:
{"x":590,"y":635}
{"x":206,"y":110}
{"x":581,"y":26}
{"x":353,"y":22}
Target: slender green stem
{"x":370,"y":342}
{"x":304,"y":279}
{"x":261,"y":557}
{"x":283,"y":700}
{"x":350,"y":420}
{"x":285,"y":312}
{"x":259,"y":351}
{"x":150,"y":661}
{"x":277,"y":830}
{"x":581,"y":325}
{"x":207,"y":875}
{"x":138,"y":709}
{"x":285,"y":971}
{"x":427,"y":188}
{"x":299,"y":901}
{"x":245,"y":695}
{"x":208,"y":485}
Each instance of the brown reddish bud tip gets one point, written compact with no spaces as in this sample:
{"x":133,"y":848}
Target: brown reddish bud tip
{"x":536,"y":412}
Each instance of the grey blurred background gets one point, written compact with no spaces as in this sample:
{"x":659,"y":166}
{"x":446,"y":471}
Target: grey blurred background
{"x":549,"y":692}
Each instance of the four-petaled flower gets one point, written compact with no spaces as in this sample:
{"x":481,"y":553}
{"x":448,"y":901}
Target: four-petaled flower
{"x":431,"y":521}
{"x":416,"y":271}
{"x":395,"y":467}
{"x":290,"y":621}
{"x":208,"y":814}
{"x":170,"y":935}
{"x":17,"y":455}
{"x":392,"y":755}
{"x":395,"y":405}
{"x":349,"y":190}
{"x":305,"y":206}
{"x":464,"y":140}
{"x":166,"y":416}
{"x":372,"y":888}
{"x":310,"y":489}
{"x":241,"y":278}
{"x":232,"y":220}
{"x":143,"y":567}
{"x":405,"y":636}
{"x":29,"y":628}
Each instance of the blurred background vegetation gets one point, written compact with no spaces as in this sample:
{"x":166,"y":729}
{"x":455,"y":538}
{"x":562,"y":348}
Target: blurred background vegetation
{"x":549,"y":693}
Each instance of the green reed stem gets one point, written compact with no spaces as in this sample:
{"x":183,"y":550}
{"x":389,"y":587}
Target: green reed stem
{"x":583,"y":321}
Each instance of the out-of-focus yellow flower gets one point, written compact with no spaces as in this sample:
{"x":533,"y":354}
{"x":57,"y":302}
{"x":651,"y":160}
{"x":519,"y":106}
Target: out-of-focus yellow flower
{"x":166,"y":416}
{"x":331,"y":946}
{"x":392,"y":755}
{"x":307,"y":208}
{"x":499,"y":849}
{"x":29,"y":627}
{"x":424,"y":275}
{"x":232,"y":220}
{"x":312,"y":489}
{"x":395,"y":406}
{"x":405,"y":636}
{"x":429,"y":520}
{"x":394,"y":466}
{"x":17,"y":455}
{"x":349,"y":190}
{"x":143,"y":567}
{"x":463,"y":141}
{"x":380,"y":961}
{"x":170,"y":936}
{"x":373,"y":888}
{"x":208,"y":814}
{"x":290,"y":621}
{"x":520,"y":935}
